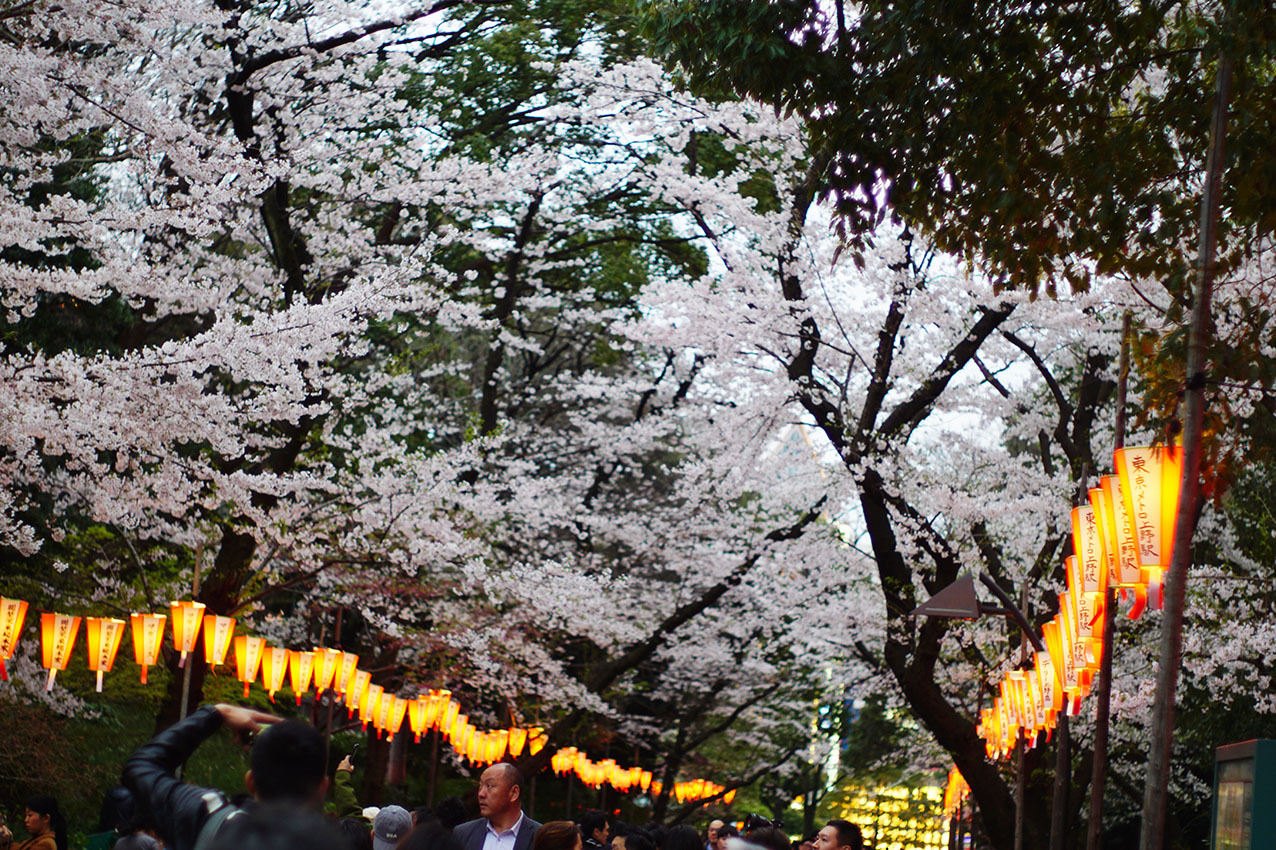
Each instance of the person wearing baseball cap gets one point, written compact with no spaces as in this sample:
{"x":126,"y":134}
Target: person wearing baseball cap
{"x":390,"y":824}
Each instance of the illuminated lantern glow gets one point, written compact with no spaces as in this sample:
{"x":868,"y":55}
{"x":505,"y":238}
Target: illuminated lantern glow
{"x":57,"y":639}
{"x":12,"y":614}
{"x":435,"y":703}
{"x":248,"y":653}
{"x":327,"y":662}
{"x":274,"y":667}
{"x":645,"y":782}
{"x":384,"y":713}
{"x":1087,"y":543}
{"x":187,"y":618}
{"x":370,"y":704}
{"x":349,"y":663}
{"x":1150,"y":480}
{"x":218,"y":633}
{"x":357,"y":692}
{"x":517,"y":740}
{"x":729,"y":797}
{"x":1123,"y":559}
{"x":104,"y":634}
{"x":451,"y":710}
{"x":148,"y":634}
{"x":395,"y":720}
{"x":536,"y":740}
{"x":301,"y":667}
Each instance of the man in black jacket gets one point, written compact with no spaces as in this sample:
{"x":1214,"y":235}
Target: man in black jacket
{"x":287,"y":767}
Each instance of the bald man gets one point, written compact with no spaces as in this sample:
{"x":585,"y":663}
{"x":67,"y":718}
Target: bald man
{"x":503,"y":826}
{"x":714,"y":826}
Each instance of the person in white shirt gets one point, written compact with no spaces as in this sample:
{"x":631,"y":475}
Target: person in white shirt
{"x":503,"y":826}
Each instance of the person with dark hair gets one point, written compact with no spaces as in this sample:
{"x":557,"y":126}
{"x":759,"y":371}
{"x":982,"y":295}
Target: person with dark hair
{"x":682,"y":838}
{"x":451,"y":812}
{"x":838,"y":834}
{"x":45,"y":823}
{"x":429,"y":834}
{"x":638,"y":840}
{"x":277,"y":826}
{"x":286,"y":767}
{"x":355,"y":834}
{"x":595,"y":829}
{"x":761,"y":838}
{"x":137,"y":841}
{"x":725,"y":833}
{"x":503,"y":826}
{"x":656,"y":832}
{"x":557,"y":835}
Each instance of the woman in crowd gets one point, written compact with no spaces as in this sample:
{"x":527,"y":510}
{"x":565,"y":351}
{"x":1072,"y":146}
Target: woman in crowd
{"x":45,"y":824}
{"x":558,"y":835}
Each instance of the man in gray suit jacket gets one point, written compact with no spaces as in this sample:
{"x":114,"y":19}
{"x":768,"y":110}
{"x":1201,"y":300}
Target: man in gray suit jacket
{"x":503,"y":826}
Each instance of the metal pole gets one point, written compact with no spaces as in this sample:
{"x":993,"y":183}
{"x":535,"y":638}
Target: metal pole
{"x":1156,"y":788}
{"x":1103,"y":688}
{"x":434,"y":768}
{"x":332,"y":692}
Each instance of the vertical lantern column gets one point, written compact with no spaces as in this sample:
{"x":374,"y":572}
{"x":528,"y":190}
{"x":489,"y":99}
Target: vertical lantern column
{"x":57,"y":633}
{"x":148,"y":634}
{"x":12,"y":614}
{"x":104,"y":634}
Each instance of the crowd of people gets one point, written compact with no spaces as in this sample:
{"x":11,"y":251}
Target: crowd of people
{"x":283,"y":807}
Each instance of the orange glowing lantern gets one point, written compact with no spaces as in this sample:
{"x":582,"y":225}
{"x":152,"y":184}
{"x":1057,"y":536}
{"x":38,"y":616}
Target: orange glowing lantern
{"x":416,"y":716}
{"x":345,"y":673}
{"x":370,"y":704}
{"x":218,"y":632}
{"x":104,"y":634}
{"x":327,"y":663}
{"x":1150,"y":480}
{"x":1087,"y":544}
{"x":248,"y":653}
{"x":301,"y":667}
{"x":536,"y":740}
{"x":393,"y":721}
{"x":517,"y":740}
{"x":57,"y":638}
{"x":385,"y":710}
{"x":12,"y":614}
{"x":451,"y":710}
{"x":148,"y":634}
{"x":645,"y":782}
{"x":435,"y":703}
{"x":357,"y":691}
{"x":187,"y":617}
{"x":1123,"y":559}
{"x":274,"y":666}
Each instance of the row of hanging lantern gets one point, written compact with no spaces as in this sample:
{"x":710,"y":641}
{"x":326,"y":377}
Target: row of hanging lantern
{"x":955,"y":792}
{"x":1123,"y":538}
{"x":596,"y":774}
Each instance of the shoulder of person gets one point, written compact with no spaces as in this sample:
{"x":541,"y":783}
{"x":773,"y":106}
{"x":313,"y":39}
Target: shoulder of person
{"x":470,"y":825}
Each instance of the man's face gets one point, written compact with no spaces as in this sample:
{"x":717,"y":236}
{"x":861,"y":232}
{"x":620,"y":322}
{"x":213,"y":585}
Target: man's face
{"x":827,"y":839}
{"x":495,"y":794}
{"x":600,"y":834}
{"x":618,"y":843}
{"x":714,"y":826}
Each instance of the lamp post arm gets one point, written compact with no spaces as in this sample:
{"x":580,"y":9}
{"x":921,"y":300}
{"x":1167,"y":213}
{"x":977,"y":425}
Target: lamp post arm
{"x":1011,"y":610}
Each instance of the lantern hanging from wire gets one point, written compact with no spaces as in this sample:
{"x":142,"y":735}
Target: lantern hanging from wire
{"x":218,"y":633}
{"x":12,"y":614}
{"x":536,"y":740}
{"x":1151,"y":477}
{"x":1123,"y":560}
{"x":187,"y":618}
{"x":345,"y":673}
{"x":1087,"y":544}
{"x":148,"y":634}
{"x":301,"y":667}
{"x":274,"y":667}
{"x":57,"y":639}
{"x":517,"y":740}
{"x":248,"y":653}
{"x":370,"y":704}
{"x":327,"y":663}
{"x":393,"y":719}
{"x":357,"y":691}
{"x":417,"y":709}
{"x":104,"y":635}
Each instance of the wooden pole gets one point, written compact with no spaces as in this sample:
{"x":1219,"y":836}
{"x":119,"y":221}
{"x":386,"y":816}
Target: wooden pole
{"x":1156,"y":788}
{"x":1103,"y":688}
{"x":1021,"y":747}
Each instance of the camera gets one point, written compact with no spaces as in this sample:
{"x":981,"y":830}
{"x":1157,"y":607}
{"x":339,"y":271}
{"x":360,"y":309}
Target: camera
{"x":754,"y":821}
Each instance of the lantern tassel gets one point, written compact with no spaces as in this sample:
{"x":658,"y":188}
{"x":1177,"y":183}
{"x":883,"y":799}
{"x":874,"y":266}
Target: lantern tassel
{"x":4,"y":673}
{"x":53,"y":672}
{"x":99,"y":681}
{"x":144,"y":669}
{"x":418,"y":737}
{"x":245,"y":689}
{"x":181,"y":661}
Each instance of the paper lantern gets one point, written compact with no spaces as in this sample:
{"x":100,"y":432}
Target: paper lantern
{"x":357,"y":691}
{"x":57,"y":638}
{"x":370,"y":704}
{"x":517,"y":739}
{"x":274,"y":666}
{"x":12,"y":613}
{"x":1087,"y":544}
{"x":218,"y":632}
{"x":104,"y":634}
{"x":451,"y":710}
{"x":435,"y":703}
{"x":1150,"y":480}
{"x":536,"y":740}
{"x":390,"y":714}
{"x":341,"y":681}
{"x":729,"y":797}
{"x":416,"y":715}
{"x":327,"y":663}
{"x":1123,"y":560}
{"x":301,"y":668}
{"x":148,"y":634}
{"x":187,"y":617}
{"x":645,"y":782}
{"x":248,"y":653}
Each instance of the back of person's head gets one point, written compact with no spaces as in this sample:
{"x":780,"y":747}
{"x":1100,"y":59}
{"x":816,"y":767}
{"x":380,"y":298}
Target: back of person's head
{"x":557,"y":835}
{"x":429,"y":835}
{"x":421,"y":814}
{"x":848,"y":834}
{"x":287,"y":763}
{"x":728,"y":831}
{"x":391,"y":824}
{"x":768,"y":838}
{"x":656,"y":832}
{"x":592,"y":820}
{"x":451,"y":812}
{"x":44,"y":805}
{"x":277,"y":826}
{"x":355,"y":833}
{"x":137,"y":841}
{"x":682,"y":838}
{"x":637,"y":839}
{"x":119,"y":811}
